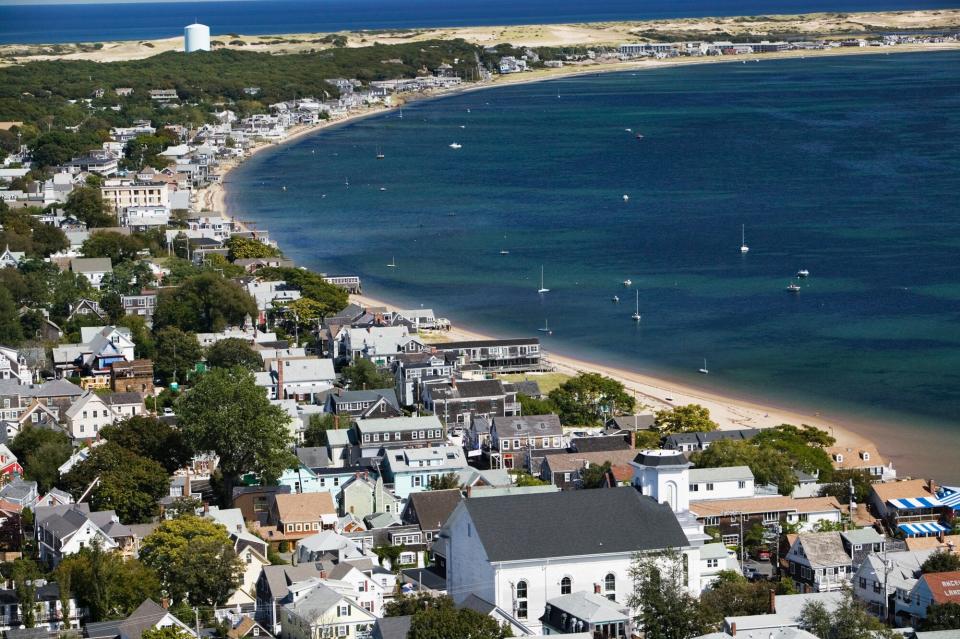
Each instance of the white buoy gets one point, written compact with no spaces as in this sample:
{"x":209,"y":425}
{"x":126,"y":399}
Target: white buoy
{"x":626,"y":198}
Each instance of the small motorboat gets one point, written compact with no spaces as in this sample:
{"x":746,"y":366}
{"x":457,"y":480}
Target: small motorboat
{"x":628,"y":282}
{"x":456,"y":145}
{"x":793,"y":287}
{"x":803,"y":273}
{"x":616,"y":299}
{"x":626,"y":198}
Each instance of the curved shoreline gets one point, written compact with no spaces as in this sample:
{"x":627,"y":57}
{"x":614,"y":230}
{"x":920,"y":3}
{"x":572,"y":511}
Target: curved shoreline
{"x":727,"y":409}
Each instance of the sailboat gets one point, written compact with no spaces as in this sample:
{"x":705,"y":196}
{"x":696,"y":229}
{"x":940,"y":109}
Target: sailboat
{"x":380,"y":154}
{"x":504,"y":252}
{"x":546,"y":328}
{"x":346,"y":181}
{"x":743,"y":239}
{"x":401,"y":114}
{"x":393,"y":262}
{"x":793,"y":287}
{"x":636,"y":314}
{"x":704,"y":369}
{"x":542,"y":289}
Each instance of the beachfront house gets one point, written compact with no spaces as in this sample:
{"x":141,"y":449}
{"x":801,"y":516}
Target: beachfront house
{"x":519,"y":355}
{"x":457,"y":402}
{"x":379,"y":344}
{"x":910,"y":507}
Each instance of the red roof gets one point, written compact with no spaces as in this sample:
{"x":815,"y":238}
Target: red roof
{"x":944,"y":586}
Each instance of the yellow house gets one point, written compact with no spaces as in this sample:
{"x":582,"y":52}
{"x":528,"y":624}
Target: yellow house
{"x":323,"y":612}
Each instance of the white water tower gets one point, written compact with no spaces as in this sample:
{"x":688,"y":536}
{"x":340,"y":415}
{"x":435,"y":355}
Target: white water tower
{"x":196,"y":37}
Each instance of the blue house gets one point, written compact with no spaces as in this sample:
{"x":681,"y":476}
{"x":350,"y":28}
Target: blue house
{"x":411,"y":469}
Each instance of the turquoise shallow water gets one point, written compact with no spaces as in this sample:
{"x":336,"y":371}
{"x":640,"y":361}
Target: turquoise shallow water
{"x":846,"y":166}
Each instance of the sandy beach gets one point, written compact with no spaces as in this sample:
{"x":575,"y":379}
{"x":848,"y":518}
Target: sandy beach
{"x":653,"y":392}
{"x":656,"y":394}
{"x":766,"y":27}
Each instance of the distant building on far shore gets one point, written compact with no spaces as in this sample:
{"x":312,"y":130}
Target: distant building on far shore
{"x":196,"y":37}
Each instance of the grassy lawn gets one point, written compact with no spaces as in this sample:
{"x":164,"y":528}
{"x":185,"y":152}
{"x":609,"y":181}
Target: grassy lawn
{"x":546,"y":381}
{"x":434,"y":337}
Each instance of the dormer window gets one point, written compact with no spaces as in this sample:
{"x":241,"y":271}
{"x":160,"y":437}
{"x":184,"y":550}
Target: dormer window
{"x":838,"y":458}
{"x":865,"y":456}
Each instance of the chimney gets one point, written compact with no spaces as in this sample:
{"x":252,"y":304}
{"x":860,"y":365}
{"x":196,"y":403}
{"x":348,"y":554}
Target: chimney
{"x":336,"y":422}
{"x":633,"y":439}
{"x":733,"y":629}
{"x":279,"y":378}
{"x":165,"y":603}
{"x":596,"y":589}
{"x":206,"y":508}
{"x":773,"y":601}
{"x":932,"y":487}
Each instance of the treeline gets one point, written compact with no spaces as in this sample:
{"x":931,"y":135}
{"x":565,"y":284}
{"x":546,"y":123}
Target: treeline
{"x":38,"y":93}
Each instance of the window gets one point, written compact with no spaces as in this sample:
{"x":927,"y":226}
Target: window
{"x":413,"y":434}
{"x":407,"y":558}
{"x":694,"y":488}
{"x":422,"y":435}
{"x":771,"y":518}
{"x":730,"y":540}
{"x":336,"y":481}
{"x":566,"y":584}
{"x":343,"y":611}
{"x":711,"y":521}
{"x":713,"y":563}
{"x":417,"y":480}
{"x":709,"y":486}
{"x":386,"y":437}
{"x":610,"y":582}
{"x":741,"y":484}
{"x":376,"y":437}
{"x":521,"y":592}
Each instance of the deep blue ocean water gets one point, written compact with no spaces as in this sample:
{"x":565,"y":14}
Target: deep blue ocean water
{"x":848,"y":167}
{"x":28,"y":22}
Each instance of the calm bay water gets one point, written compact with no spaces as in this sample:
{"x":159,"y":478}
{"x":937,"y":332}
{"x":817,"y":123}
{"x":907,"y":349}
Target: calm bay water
{"x":848,"y":167}
{"x":25,"y":21}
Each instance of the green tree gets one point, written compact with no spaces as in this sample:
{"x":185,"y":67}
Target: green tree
{"x":105,"y":583}
{"x":734,"y":596}
{"x":11,"y":333}
{"x":117,"y":246}
{"x":151,"y":438}
{"x":768,"y":466}
{"x":48,"y":239}
{"x":848,"y":620}
{"x":446,"y":481}
{"x":315,"y":434}
{"x":526,"y":479}
{"x":145,"y":346}
{"x":449,"y":622}
{"x":839,"y":486}
{"x":246,"y":248}
{"x":231,"y":352}
{"x":176,"y":354}
{"x":166,"y":632}
{"x":664,"y":608}
{"x":363,"y":374}
{"x":692,"y":418}
{"x":945,"y":616}
{"x":204,"y":303}
{"x":86,"y":204}
{"x":332,"y":298}
{"x":595,"y":475}
{"x":941,"y":561}
{"x":24,"y":573}
{"x":586,"y":399}
{"x":803,"y":447}
{"x":41,"y":452}
{"x":228,"y":414}
{"x":129,"y":484}
{"x":534,"y":406}
{"x":405,"y":605}
{"x":195,"y":560}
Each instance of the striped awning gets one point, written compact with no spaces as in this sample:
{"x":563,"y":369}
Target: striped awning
{"x":912,"y":503}
{"x":930,"y":528}
{"x":949,"y":496}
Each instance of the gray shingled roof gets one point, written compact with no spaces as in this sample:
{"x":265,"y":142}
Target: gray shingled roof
{"x":570,"y":523}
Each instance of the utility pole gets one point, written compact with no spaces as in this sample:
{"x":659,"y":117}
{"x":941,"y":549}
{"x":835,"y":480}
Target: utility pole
{"x":196,"y":617}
